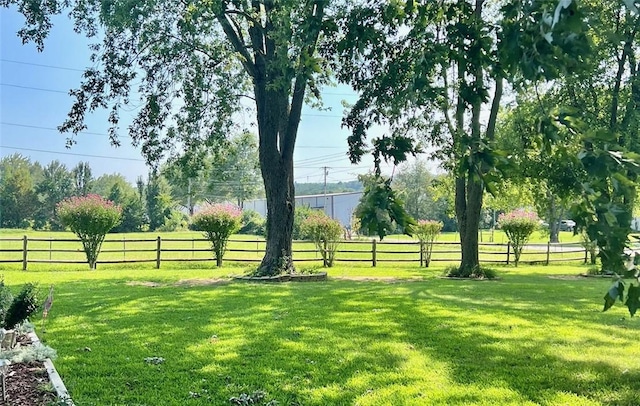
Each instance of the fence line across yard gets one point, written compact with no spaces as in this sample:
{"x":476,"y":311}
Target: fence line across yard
{"x":158,"y":250}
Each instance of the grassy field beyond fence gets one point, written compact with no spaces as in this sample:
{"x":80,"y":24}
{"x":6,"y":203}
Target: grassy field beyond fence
{"x":29,"y":249}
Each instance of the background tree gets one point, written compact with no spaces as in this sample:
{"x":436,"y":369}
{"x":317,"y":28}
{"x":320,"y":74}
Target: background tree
{"x":133,"y":216}
{"x":158,"y":199}
{"x":82,"y":179}
{"x":187,"y":52}
{"x":434,"y":67}
{"x":55,"y":186}
{"x":18,"y":199}
{"x":240,"y":171}
{"x":413,"y":182}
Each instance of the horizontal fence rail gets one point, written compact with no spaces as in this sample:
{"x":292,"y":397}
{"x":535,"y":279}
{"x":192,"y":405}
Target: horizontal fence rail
{"x":157,"y":250}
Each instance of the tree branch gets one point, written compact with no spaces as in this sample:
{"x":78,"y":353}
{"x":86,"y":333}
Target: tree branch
{"x":237,"y":43}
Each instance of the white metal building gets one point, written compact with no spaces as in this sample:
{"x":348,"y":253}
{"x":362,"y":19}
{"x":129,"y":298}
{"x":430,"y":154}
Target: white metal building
{"x":339,"y":206}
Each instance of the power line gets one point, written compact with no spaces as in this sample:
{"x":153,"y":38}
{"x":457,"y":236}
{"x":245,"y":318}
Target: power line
{"x":38,"y":127}
{"x":82,"y":70}
{"x":71,"y":153}
{"x":41,"y":65}
{"x":67,"y":93}
{"x":54,"y":129}
{"x":33,"y":88}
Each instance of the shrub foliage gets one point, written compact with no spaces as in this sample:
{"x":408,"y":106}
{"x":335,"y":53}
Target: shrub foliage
{"x":426,"y":231}
{"x":218,"y":222}
{"x":22,"y":306}
{"x":518,"y":225}
{"x":325,"y":233}
{"x":90,"y":217}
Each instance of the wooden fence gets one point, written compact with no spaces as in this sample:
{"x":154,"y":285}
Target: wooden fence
{"x":122,"y":251}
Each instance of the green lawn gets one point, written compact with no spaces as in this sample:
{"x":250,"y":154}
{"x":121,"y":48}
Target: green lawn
{"x":532,"y":337}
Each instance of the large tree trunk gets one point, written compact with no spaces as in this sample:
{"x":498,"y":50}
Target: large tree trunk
{"x":468,"y":207}
{"x":280,"y":209}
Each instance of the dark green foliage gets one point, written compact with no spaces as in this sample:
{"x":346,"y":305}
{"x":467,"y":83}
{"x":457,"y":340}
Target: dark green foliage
{"x":159,"y":201}
{"x":633,"y":299}
{"x":23,"y":306}
{"x":18,"y":200}
{"x":134,"y":217}
{"x":616,"y":291}
{"x":5,"y":301}
{"x":252,"y":223}
{"x":475,"y":273}
{"x":300,"y":215}
{"x":380,"y":210}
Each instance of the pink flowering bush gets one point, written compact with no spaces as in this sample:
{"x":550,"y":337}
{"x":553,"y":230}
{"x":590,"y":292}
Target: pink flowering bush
{"x":218,"y":222}
{"x":426,"y":231}
{"x":518,"y":225}
{"x":90,"y":217}
{"x":325,"y":233}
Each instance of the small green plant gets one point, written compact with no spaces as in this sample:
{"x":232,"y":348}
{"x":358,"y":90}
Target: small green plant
{"x":90,"y":217}
{"x":426,"y":231}
{"x":475,"y":273}
{"x":256,"y":398}
{"x":218,"y":222}
{"x":325,"y":233}
{"x":518,"y":225}
{"x":23,"y":306}
{"x":30,"y":353}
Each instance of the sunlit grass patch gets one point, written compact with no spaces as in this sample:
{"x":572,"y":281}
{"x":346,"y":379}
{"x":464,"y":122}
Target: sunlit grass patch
{"x":390,"y":335}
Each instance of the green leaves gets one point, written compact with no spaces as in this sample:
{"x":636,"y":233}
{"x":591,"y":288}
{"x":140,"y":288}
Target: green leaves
{"x":633,"y":299}
{"x":380,"y":211}
{"x":615,"y":291}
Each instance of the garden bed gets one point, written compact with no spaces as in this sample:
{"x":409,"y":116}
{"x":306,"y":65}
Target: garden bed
{"x":34,"y":383}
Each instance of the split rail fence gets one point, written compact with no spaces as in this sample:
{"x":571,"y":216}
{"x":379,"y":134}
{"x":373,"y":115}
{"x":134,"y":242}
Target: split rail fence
{"x":158,"y":250}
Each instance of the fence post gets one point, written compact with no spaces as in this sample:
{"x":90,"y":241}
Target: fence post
{"x":324,"y":254}
{"x":585,"y":254}
{"x":421,"y":253}
{"x":548,"y":251}
{"x":24,"y":252}
{"x":158,"y":251}
{"x":374,"y":260}
{"x":508,"y":251}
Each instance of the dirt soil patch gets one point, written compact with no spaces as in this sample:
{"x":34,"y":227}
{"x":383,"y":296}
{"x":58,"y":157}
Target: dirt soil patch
{"x":387,"y":279}
{"x":28,"y":383}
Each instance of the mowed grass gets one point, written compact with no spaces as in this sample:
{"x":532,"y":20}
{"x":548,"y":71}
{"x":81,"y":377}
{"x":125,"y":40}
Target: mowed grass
{"x":537,"y":336}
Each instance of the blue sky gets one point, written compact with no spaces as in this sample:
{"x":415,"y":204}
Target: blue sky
{"x":34,"y":101}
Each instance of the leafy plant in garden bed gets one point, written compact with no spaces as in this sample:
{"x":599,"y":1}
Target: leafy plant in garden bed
{"x":90,"y":217}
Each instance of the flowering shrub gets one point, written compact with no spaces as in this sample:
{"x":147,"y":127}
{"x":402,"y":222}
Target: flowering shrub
{"x":518,"y":225}
{"x":218,"y":222}
{"x":325,"y":233}
{"x":90,"y":217}
{"x":427,"y":231}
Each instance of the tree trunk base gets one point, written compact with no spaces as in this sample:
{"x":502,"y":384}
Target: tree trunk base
{"x":275,"y":266}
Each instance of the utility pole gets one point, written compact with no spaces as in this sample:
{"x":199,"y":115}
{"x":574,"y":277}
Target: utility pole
{"x":325,"y":170}
{"x":189,"y":208}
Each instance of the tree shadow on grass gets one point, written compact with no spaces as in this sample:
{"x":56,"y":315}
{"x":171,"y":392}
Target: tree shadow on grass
{"x":337,"y":343}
